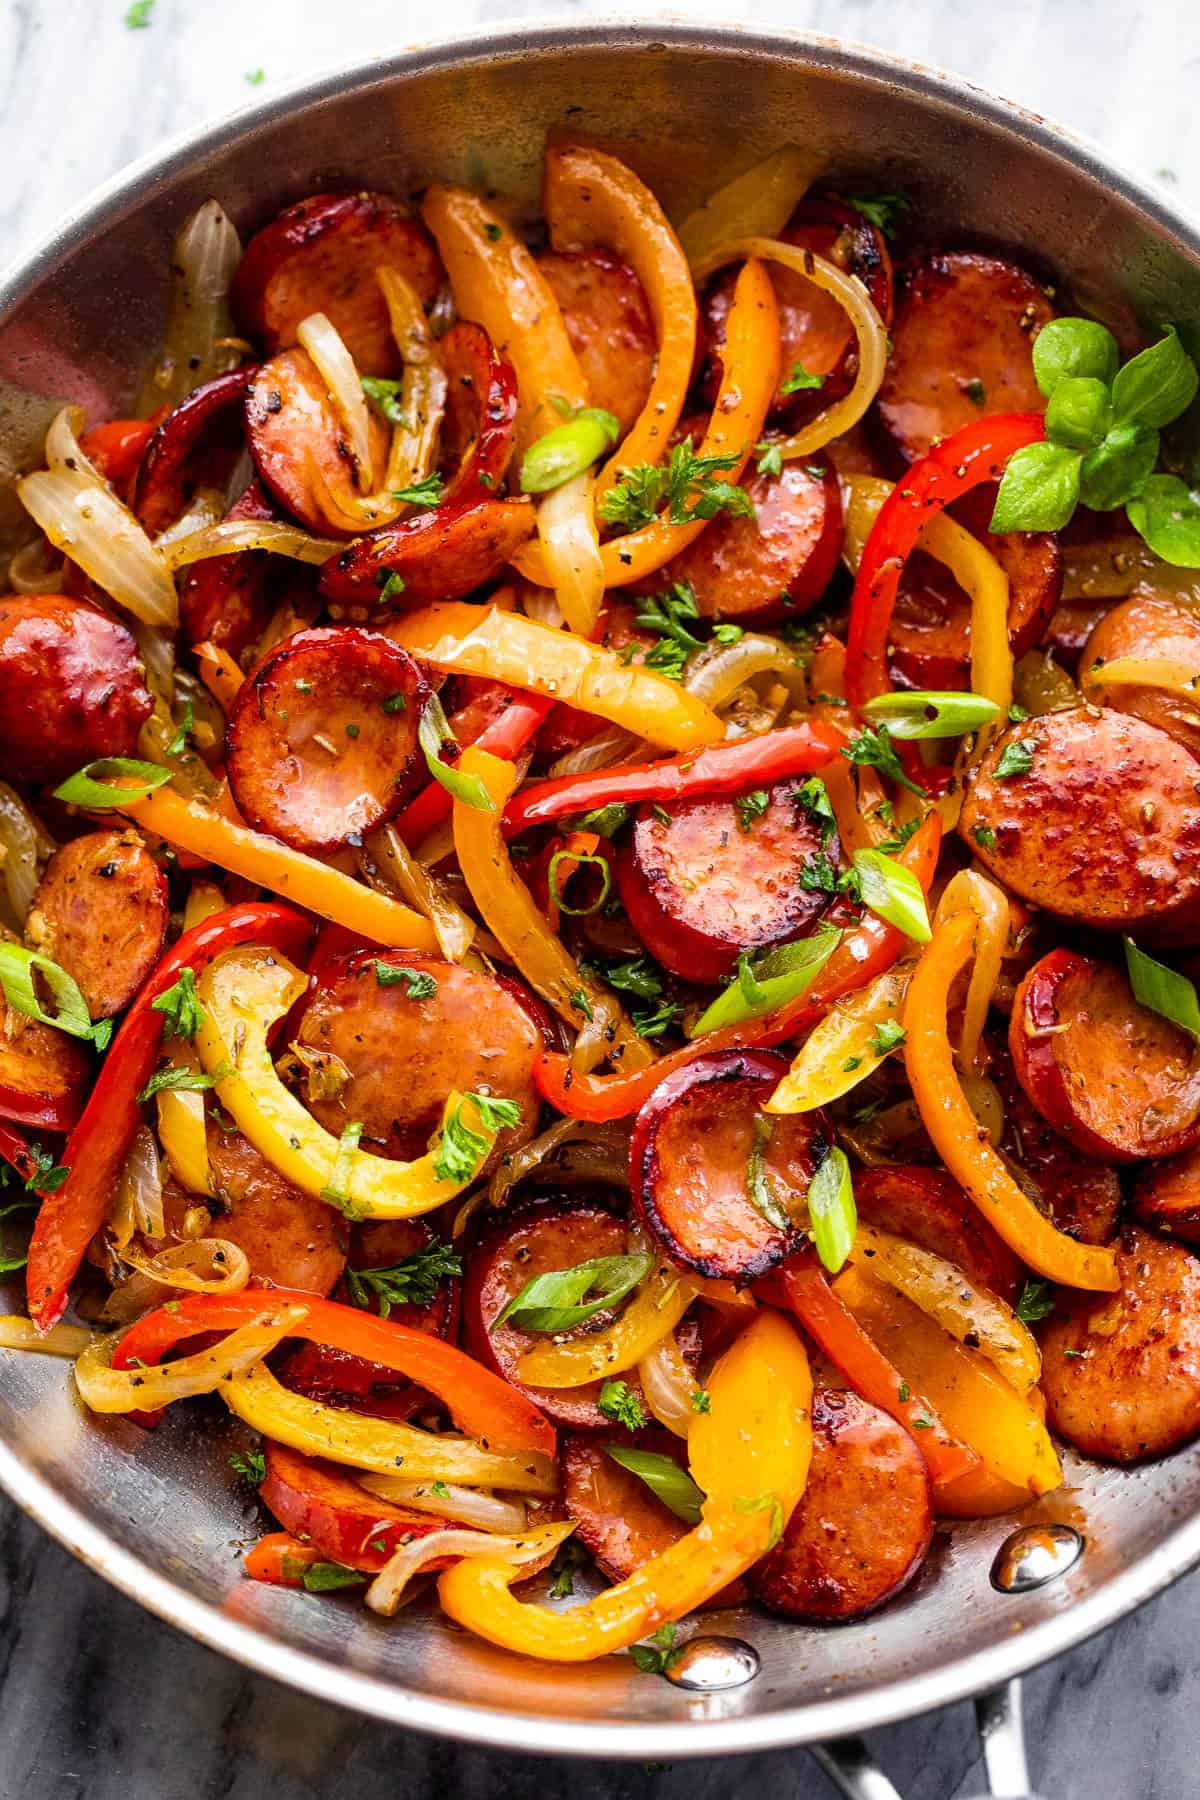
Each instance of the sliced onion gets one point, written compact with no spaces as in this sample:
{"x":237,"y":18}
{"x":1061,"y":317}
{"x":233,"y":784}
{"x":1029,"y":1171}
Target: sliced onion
{"x":207,"y":1265}
{"x":183,"y":1133}
{"x":252,"y":534}
{"x":611,"y":1141}
{"x":1113,"y":568}
{"x":139,"y":1190}
{"x":541,"y":604}
{"x":612,"y":745}
{"x":668,"y":1386}
{"x":23,"y":841}
{"x":208,"y":507}
{"x":32,"y":569}
{"x":969,"y":891}
{"x":390,"y":866}
{"x":325,"y":345}
{"x":466,"y":1506}
{"x":205,"y":255}
{"x":108,"y":1390}
{"x":719,"y":670}
{"x":531,"y":1550}
{"x":422,"y":397}
{"x":17,"y":1333}
{"x":1041,"y":686}
{"x":566,"y":526}
{"x":1177,"y":678}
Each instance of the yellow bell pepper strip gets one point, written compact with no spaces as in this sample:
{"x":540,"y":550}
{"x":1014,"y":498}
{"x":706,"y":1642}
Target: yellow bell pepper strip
{"x":497,"y":283}
{"x":750,"y":1452}
{"x":750,"y":373}
{"x":181,"y":1126}
{"x":655,"y":1310}
{"x":845,"y":1046}
{"x":107,"y":1389}
{"x":947,"y":1117}
{"x":757,"y":203}
{"x":969,"y":891}
{"x":191,"y":826}
{"x":1163,"y":673}
{"x":243,"y":993}
{"x":976,"y":1402}
{"x":476,"y":640}
{"x":592,"y":201}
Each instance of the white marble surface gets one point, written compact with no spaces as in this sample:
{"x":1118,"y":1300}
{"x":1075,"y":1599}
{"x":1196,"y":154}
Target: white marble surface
{"x":97,"y":1700}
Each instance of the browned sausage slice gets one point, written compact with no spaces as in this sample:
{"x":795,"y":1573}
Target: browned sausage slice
{"x":223,"y":599}
{"x":320,"y":255}
{"x":1158,"y":628}
{"x":300,"y":448}
{"x":927,"y":1208}
{"x":1166,"y":1196}
{"x":1120,"y":1082}
{"x":1121,"y":1372}
{"x":608,"y":321}
{"x":1102,"y":828}
{"x":719,"y":1182}
{"x":481,"y":413}
{"x":619,"y":1522}
{"x":439,"y":555}
{"x":43,"y":1072}
{"x":864,"y":1521}
{"x":195,"y":445}
{"x":101,"y":911}
{"x":72,"y":686}
{"x":706,"y":879}
{"x":1080,"y":1193}
{"x":291,"y":1238}
{"x":962,"y":345}
{"x":322,"y":740}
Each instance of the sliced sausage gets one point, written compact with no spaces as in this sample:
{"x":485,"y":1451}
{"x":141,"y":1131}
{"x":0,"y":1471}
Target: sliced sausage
{"x":320,"y":255}
{"x":195,"y":446}
{"x":1121,"y":1372}
{"x":863,"y":1524}
{"x":931,"y":628}
{"x":223,"y":599}
{"x":481,"y":412}
{"x":43,"y":1073}
{"x":1166,"y":1196}
{"x":101,"y":911}
{"x":325,"y":1507}
{"x":438,"y":555}
{"x":322,"y":740}
{"x":1159,"y":628}
{"x":291,"y":1238}
{"x":1103,"y":828}
{"x":72,"y":686}
{"x":396,"y":1055}
{"x":300,"y":448}
{"x":619,"y":1522}
{"x":926,"y":1207}
{"x":607,"y":316}
{"x":714,"y":1176}
{"x":1120,"y":1082}
{"x":704,"y":880}
{"x":1081,"y":1194}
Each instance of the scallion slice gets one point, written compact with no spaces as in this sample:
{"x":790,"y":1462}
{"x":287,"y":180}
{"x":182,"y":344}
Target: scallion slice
{"x":93,"y":786}
{"x":1162,"y":990}
{"x":558,"y":1300}
{"x":893,"y":893}
{"x":777,"y":978}
{"x":832,"y":1215}
{"x":568,"y":450}
{"x":664,"y":1477}
{"x":930,"y":714}
{"x":17,"y":969}
{"x":432,"y":733}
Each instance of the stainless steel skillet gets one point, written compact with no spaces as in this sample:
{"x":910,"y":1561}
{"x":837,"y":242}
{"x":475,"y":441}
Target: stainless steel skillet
{"x":160,"y":1515}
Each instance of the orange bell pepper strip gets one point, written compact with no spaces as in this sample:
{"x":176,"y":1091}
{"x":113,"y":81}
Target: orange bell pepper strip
{"x":481,"y":1404}
{"x":947,"y":1117}
{"x":219,"y":672}
{"x":281,"y":1560}
{"x":116,"y":447}
{"x":477,"y":640}
{"x":750,"y":1453}
{"x":750,"y":374}
{"x":863,"y":953}
{"x":497,"y":284}
{"x":592,"y":201}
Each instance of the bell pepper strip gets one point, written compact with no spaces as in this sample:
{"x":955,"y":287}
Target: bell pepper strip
{"x":142,"y":1392}
{"x":281,"y":1560}
{"x":96,"y":1149}
{"x":116,"y":447}
{"x":592,"y":201}
{"x":49,"y":1112}
{"x":505,"y":736}
{"x":751,"y":1453}
{"x":947,"y":1117}
{"x":497,"y":284}
{"x":480,"y":1402}
{"x":511,"y":914}
{"x":650,"y":1316}
{"x":979,"y":452}
{"x":976,"y":1402}
{"x":840,"y":1050}
{"x":863,"y":954}
{"x":475,"y":640}
{"x":243,"y":993}
{"x":189,"y":825}
{"x":342,"y":1520}
{"x":750,"y":373}
{"x":758,"y":202}
{"x":730,"y":768}
{"x":220,"y":673}
{"x":15,"y":1152}
{"x":802,"y":1284}
{"x":473,"y":363}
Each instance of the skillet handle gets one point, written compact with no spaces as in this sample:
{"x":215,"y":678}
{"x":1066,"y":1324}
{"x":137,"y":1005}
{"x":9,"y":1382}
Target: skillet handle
{"x":855,"y":1773}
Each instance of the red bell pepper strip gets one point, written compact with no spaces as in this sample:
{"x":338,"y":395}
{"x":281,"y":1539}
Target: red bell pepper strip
{"x":867,"y":951}
{"x":116,"y":447}
{"x":70,"y":1218}
{"x":481,"y":1404}
{"x":49,"y":1112}
{"x":280,"y":1560}
{"x":15,"y":1152}
{"x":721,"y":769}
{"x":979,"y":452}
{"x":506,"y":736}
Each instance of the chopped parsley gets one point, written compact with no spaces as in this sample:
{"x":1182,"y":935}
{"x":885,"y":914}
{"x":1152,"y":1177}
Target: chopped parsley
{"x":328,"y":1577}
{"x":653,"y":1024}
{"x":395,"y":703}
{"x":581,"y":1003}
{"x":251,"y":1465}
{"x":180,"y":1007}
{"x":814,"y":798}
{"x":1036,"y":1301}
{"x":620,"y":1403}
{"x":1016,"y":758}
{"x":984,"y":836}
{"x":393,"y":585}
{"x":872,"y":748}
{"x":178,"y":743}
{"x":751,"y":806}
{"x":689,"y":485}
{"x":798,"y":379}
{"x":665,"y":613}
{"x":421,"y":493}
{"x":701,"y":1400}
{"x":727,"y":634}
{"x":656,"y":1655}
{"x":413,"y":1281}
{"x":48,"y":1176}
{"x":139,"y":15}
{"x":888,"y":1036}
{"x":770,"y":457}
{"x":173,"y":1077}
{"x":881,"y":210}
{"x":461,"y":1150}
{"x":385,"y":395}
{"x":420,"y":984}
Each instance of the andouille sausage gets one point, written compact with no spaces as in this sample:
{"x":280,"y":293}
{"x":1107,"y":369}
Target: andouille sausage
{"x":1154,"y":627}
{"x":291,"y":1238}
{"x":196,"y":445}
{"x":1118,"y":1081}
{"x":320,"y":255}
{"x":719,"y":1183}
{"x":704,"y":880}
{"x":1080,"y":1193}
{"x":1103,"y":827}
{"x":926,"y":1207}
{"x":394,"y":1055}
{"x":1121,"y":1372}
{"x":438,"y":555}
{"x":962,"y":342}
{"x":481,"y":413}
{"x":72,"y":686}
{"x":863,"y":1524}
{"x":223,"y":599}
{"x":299,"y":445}
{"x":1166,"y":1195}
{"x":321,"y":743}
{"x":101,"y":911}
{"x":43,"y":1073}
{"x":608,"y":321}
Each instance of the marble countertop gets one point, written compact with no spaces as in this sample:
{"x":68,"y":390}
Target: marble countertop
{"x":98,"y":1701}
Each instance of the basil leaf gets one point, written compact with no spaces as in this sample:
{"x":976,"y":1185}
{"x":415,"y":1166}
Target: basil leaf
{"x":90,"y":786}
{"x":1068,"y":348}
{"x":832,"y":1214}
{"x":664,"y":1477}
{"x":433,"y":732}
{"x":17,"y":969}
{"x":893,"y":893}
{"x":1119,"y":468}
{"x":780,"y":977}
{"x":1036,"y":1302}
{"x":1155,"y":387}
{"x":1078,"y":412}
{"x":1039,"y":490}
{"x":1163,"y":991}
{"x":557,"y":1300}
{"x":927,"y":714}
{"x":1167,"y":515}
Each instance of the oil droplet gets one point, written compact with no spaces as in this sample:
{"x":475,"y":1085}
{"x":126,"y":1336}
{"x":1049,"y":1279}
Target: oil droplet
{"x":1035,"y":1555}
{"x":706,"y":1665}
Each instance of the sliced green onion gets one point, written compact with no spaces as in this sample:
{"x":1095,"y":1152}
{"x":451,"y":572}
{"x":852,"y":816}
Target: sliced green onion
{"x":1163,"y":990}
{"x":337,"y":1189}
{"x":665,"y":1479}
{"x":929,"y":714}
{"x":557,"y":1300}
{"x":832,"y":1215}
{"x":433,"y":732}
{"x":568,"y":450}
{"x":579,"y":858}
{"x":91,"y":788}
{"x":778,"y":977}
{"x":763,"y":1197}
{"x":894,"y":893}
{"x":17,"y":969}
